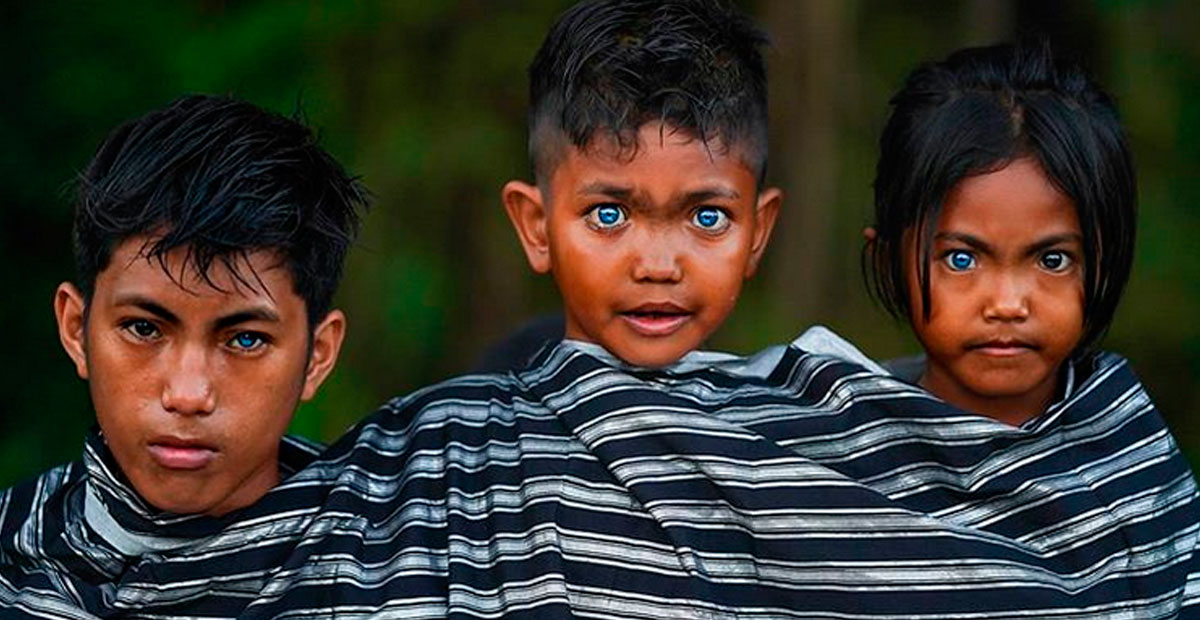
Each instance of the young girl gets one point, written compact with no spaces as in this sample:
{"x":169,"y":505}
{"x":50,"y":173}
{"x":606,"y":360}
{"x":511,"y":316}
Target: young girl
{"x":1004,"y":226}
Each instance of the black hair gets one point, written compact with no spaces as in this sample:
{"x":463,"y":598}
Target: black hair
{"x":611,"y":66}
{"x":221,"y":178}
{"x":976,"y":112}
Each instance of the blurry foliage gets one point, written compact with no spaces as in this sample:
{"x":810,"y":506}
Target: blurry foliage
{"x":426,"y":101}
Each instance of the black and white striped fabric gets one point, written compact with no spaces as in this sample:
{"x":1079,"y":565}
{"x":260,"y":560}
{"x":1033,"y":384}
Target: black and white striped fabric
{"x":784,"y":485}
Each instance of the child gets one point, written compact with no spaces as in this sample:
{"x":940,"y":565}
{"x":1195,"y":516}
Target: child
{"x":648,"y":143}
{"x":1005,"y":218}
{"x":209,"y":238}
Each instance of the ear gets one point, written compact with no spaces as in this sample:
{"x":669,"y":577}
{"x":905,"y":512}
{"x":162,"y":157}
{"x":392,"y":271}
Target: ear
{"x":765,"y":214}
{"x":527,"y":211}
{"x":869,"y":237}
{"x":327,"y":340}
{"x":69,"y":308}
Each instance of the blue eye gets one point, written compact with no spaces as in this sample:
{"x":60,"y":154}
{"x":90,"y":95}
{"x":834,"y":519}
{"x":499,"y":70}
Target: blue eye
{"x":247,"y":341}
{"x":1055,"y":261}
{"x":959,"y":260}
{"x":710,"y":219}
{"x":606,"y":216}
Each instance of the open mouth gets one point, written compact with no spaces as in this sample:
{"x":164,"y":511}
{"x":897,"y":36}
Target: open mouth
{"x":657,"y":319}
{"x":181,"y":454}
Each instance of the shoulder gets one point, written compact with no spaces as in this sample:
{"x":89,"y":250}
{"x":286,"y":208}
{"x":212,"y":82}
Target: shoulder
{"x":43,"y":485}
{"x":471,"y":405}
{"x":38,"y":503}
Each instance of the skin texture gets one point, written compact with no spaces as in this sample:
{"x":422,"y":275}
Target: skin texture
{"x":194,"y":383}
{"x":649,"y":252}
{"x":1006,"y":293}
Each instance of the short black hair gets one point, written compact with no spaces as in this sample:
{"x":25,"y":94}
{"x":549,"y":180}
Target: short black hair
{"x":974,"y":113}
{"x":223,"y":178}
{"x":611,"y":66}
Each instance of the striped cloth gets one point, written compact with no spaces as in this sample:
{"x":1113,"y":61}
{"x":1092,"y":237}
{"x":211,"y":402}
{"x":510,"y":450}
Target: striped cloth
{"x":784,"y":485}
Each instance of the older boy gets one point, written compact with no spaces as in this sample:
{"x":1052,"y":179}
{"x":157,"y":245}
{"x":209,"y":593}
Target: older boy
{"x":209,"y":239}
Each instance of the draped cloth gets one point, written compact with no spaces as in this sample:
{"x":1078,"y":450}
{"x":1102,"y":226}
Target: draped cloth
{"x":782,"y":485}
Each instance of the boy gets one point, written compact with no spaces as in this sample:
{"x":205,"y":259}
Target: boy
{"x":209,"y":238}
{"x":649,"y":145}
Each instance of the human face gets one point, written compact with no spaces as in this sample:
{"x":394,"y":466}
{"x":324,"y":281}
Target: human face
{"x":649,"y":252}
{"x":194,"y":383}
{"x":1006,"y":293}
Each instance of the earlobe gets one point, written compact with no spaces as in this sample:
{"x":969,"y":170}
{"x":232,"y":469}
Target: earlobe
{"x":766,"y":213}
{"x":869,"y":236}
{"x":69,"y":310}
{"x":327,"y":340}
{"x":527,"y":211}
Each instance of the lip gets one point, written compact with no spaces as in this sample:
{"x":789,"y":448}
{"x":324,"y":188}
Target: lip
{"x":656,"y":319}
{"x":1001,"y":347}
{"x":180,"y":454}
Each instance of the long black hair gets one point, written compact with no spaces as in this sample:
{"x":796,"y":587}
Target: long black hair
{"x":975,"y":112}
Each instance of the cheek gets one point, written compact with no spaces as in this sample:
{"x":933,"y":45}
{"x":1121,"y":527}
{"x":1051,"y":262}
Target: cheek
{"x":274,"y":383}
{"x":583,"y":268}
{"x":119,"y":380}
{"x":1063,"y":311}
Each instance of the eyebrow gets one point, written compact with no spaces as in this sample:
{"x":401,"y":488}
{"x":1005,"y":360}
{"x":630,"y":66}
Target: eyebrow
{"x":1053,"y":240}
{"x":245,"y":316}
{"x":257,"y":313}
{"x":146,"y":304}
{"x":628,"y":194}
{"x":1033,"y":248}
{"x":620,"y":192}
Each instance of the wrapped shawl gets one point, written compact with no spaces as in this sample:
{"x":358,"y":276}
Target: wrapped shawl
{"x":784,"y":485}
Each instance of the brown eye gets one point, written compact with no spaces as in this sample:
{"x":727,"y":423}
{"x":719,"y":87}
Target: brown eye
{"x":141,"y":328}
{"x":1055,"y":262}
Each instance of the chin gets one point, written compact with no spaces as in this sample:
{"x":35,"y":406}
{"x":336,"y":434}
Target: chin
{"x":1005,"y":388}
{"x":177,"y":499}
{"x":178,"y":506}
{"x":650,"y":359}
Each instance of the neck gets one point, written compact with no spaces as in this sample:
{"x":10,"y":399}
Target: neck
{"x":1011,"y":409}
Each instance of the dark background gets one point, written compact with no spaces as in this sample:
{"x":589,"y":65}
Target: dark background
{"x":426,"y":101}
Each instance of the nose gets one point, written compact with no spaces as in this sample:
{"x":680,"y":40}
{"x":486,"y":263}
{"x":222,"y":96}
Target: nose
{"x":657,"y":260}
{"x":1008,"y":299}
{"x":188,"y":387}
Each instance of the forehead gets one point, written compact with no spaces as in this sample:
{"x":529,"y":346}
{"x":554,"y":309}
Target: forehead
{"x":1016,"y":200}
{"x":661,"y":161}
{"x":175,"y":277}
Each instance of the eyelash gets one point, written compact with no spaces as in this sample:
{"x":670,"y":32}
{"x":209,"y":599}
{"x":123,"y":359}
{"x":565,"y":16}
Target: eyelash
{"x":261,"y":341}
{"x":131,"y":326}
{"x":722,"y":224}
{"x":593,"y":216}
{"x":1068,"y":261}
{"x":948,"y":256}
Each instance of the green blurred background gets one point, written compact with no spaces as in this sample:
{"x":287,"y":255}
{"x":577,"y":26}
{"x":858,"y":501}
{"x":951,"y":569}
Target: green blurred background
{"x":425,"y":100}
